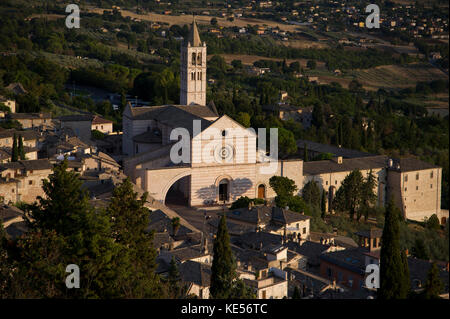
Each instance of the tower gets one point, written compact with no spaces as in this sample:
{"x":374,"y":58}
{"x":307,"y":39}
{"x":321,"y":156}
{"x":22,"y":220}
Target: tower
{"x":193,"y":69}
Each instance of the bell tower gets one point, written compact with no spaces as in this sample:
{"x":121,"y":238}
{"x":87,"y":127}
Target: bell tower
{"x":193,"y":69}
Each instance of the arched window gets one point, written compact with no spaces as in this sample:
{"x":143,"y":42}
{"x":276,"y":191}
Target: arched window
{"x":261,"y":191}
{"x":194,"y":58}
{"x":223,"y":190}
{"x":199,"y":58}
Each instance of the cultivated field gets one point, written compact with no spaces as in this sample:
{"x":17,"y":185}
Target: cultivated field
{"x":389,"y":76}
{"x":250,"y":59}
{"x":201,"y":19}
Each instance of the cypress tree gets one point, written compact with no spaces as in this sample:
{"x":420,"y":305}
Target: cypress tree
{"x":394,"y":274}
{"x":223,"y":270}
{"x":323,"y":203}
{"x":224,"y":279}
{"x":174,"y":280}
{"x":305,"y":153}
{"x":15,"y":151}
{"x":433,"y":285}
{"x":296,"y":294}
{"x":21,"y":149}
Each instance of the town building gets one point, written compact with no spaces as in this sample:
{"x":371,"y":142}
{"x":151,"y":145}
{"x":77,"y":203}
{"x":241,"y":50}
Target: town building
{"x":11,"y":103}
{"x":32,"y":120}
{"x":22,"y":181}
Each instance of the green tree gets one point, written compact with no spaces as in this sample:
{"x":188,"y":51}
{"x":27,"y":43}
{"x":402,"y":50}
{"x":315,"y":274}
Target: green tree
{"x":21,"y":150}
{"x":433,"y":222}
{"x":296,"y":294}
{"x":311,"y":193}
{"x":323,"y":204}
{"x":286,"y":141}
{"x":311,"y":64}
{"x":349,"y":195}
{"x":419,"y":250}
{"x":394,"y":273}
{"x":244,"y":119}
{"x":224,"y":279}
{"x":173,"y":279}
{"x":305,"y":152}
{"x":223,"y":270}
{"x":175,"y":225}
{"x":237,"y":64}
{"x":369,"y":198}
{"x":65,"y":221}
{"x":130,"y":221}
{"x":433,"y":285}
{"x":284,"y":188}
{"x":15,"y":150}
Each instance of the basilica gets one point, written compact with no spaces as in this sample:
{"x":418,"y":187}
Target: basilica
{"x":151,"y":135}
{"x":147,"y":142}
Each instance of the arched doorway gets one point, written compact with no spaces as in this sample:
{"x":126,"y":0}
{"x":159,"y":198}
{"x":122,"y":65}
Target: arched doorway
{"x":178,"y":194}
{"x":262,"y":191}
{"x":224,"y":190}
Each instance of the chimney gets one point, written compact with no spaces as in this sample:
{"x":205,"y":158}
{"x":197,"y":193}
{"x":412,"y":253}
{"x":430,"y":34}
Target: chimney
{"x":337,"y":159}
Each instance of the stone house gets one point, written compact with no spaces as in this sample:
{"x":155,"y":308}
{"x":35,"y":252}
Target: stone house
{"x":80,"y":124}
{"x":196,"y":276}
{"x":103,"y":125}
{"x":22,"y":180}
{"x":11,"y":103}
{"x":32,"y":120}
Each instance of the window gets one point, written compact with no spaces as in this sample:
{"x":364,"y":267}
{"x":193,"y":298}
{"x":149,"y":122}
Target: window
{"x":12,"y":190}
{"x":199,"y":58}
{"x":298,"y":226}
{"x":304,"y":230}
{"x":192,"y":76}
{"x":406,"y":178}
{"x":417,"y":176}
{"x":431,"y":185}
{"x":326,"y":183}
{"x":417,"y":188}
{"x":194,"y":58}
{"x":30,"y":182}
{"x":406,"y":188}
{"x":431,"y":175}
{"x":335,"y":182}
{"x":101,"y":127}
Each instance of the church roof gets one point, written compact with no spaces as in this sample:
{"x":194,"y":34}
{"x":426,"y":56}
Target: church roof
{"x":175,"y":115}
{"x":194,"y":36}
